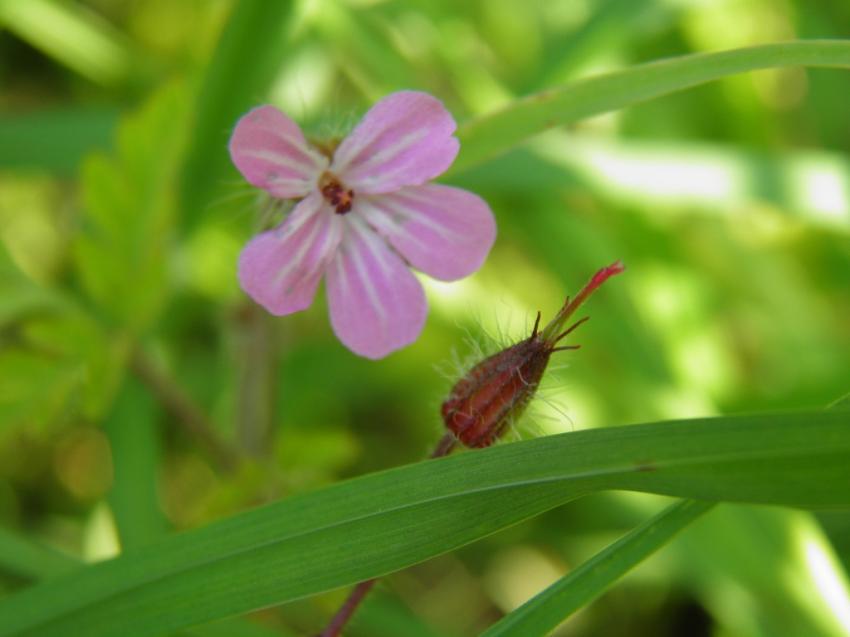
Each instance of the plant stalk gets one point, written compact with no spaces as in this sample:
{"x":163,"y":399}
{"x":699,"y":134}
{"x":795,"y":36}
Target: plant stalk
{"x":334,"y":628}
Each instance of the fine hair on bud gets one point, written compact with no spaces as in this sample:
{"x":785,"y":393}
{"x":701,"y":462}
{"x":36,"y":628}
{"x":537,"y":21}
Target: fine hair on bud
{"x":495,"y":392}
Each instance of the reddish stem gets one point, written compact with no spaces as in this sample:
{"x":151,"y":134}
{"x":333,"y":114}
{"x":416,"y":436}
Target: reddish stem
{"x":334,"y":628}
{"x":447,"y":443}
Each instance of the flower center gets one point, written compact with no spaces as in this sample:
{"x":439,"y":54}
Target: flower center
{"x":337,"y":195}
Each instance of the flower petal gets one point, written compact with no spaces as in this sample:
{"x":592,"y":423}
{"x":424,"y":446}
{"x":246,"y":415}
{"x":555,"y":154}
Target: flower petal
{"x":270,"y":151}
{"x":376,"y":304}
{"x":445,"y":232}
{"x":405,"y":139}
{"x":281,"y":269}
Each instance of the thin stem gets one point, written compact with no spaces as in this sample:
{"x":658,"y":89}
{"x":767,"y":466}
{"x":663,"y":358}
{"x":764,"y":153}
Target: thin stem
{"x":256,"y":354}
{"x":445,"y":446}
{"x":334,"y":628}
{"x":183,"y":409}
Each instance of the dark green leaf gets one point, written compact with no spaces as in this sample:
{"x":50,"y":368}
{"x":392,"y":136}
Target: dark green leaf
{"x":383,"y":522}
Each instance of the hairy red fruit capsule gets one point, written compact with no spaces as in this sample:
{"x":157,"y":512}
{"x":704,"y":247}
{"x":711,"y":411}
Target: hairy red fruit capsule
{"x":498,"y":389}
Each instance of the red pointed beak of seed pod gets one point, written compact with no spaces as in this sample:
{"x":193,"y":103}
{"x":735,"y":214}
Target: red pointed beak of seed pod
{"x":494,"y":392}
{"x":556,"y":325}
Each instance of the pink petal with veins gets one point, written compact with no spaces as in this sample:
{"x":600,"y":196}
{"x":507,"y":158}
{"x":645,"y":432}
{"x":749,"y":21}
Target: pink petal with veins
{"x":442,"y":231}
{"x":404,"y":140}
{"x":270,"y":151}
{"x":281,"y":269}
{"x":376,"y":304}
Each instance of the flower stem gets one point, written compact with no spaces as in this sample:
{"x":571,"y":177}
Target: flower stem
{"x":183,"y":409}
{"x":446,"y":445}
{"x":334,"y":628}
{"x":256,"y":353}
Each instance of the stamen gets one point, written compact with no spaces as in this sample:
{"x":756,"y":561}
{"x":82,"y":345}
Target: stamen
{"x":336,"y":194}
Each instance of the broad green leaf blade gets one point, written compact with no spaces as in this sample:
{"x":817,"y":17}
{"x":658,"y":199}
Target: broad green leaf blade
{"x":487,"y":136}
{"x":237,"y":627}
{"x":383,"y":522}
{"x":545,"y":611}
{"x":841,"y":403}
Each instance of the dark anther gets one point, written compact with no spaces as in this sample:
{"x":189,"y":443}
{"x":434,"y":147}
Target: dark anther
{"x":336,"y":194}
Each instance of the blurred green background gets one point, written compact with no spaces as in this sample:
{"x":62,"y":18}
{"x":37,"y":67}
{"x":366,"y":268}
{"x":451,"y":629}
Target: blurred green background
{"x":141,"y":392}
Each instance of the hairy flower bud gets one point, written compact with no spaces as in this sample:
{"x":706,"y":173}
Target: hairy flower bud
{"x":496,"y":390}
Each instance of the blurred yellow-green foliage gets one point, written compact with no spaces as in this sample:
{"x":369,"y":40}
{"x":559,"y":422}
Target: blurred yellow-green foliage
{"x":140,"y":391}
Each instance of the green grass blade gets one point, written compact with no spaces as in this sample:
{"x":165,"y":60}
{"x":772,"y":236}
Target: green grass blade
{"x":556,"y":603}
{"x":383,"y":522}
{"x":73,"y":36}
{"x":545,"y":611}
{"x":243,"y":66}
{"x":487,"y":136}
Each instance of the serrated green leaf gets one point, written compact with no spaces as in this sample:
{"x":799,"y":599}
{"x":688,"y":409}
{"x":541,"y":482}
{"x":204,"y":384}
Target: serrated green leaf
{"x":20,"y":296}
{"x":129,"y":214}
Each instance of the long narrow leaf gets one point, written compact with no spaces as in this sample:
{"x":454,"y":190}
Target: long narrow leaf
{"x":74,"y":36}
{"x":383,"y":522}
{"x":487,"y":136}
{"x":243,"y":66}
{"x":543,"y":612}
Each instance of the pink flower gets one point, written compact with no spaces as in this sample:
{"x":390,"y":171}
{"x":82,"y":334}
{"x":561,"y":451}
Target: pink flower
{"x":365,"y":215}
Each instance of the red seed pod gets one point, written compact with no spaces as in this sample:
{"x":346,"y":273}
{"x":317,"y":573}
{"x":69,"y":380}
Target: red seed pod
{"x":497,"y":390}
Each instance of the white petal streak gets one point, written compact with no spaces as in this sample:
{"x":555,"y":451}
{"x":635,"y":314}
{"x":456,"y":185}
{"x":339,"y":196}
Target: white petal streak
{"x":376,"y":159}
{"x":271,"y":152}
{"x":405,"y":139}
{"x":443,"y":231}
{"x":362,"y":250}
{"x":280,"y":269}
{"x":385,"y":223}
{"x":306,"y":170}
{"x":297,"y":259}
{"x":376,"y":303}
